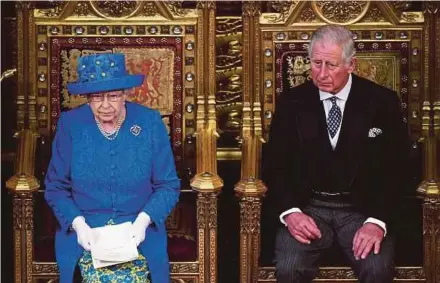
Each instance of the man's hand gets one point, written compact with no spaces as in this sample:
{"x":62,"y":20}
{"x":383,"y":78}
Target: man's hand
{"x":140,"y":226}
{"x":83,"y":232}
{"x":368,"y":236}
{"x":302,"y":227}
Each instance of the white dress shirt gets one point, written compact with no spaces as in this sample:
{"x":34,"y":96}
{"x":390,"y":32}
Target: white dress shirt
{"x":342,"y":99}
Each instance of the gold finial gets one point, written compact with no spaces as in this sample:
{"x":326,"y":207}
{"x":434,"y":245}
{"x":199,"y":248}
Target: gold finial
{"x":8,"y":73}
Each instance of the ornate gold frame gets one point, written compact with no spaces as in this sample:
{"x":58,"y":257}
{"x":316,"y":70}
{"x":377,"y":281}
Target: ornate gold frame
{"x":374,"y":22}
{"x":86,"y":19}
{"x":292,"y":22}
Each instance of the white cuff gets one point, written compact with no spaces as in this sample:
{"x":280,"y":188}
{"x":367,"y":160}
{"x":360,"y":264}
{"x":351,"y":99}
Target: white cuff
{"x":145,"y":217}
{"x":379,"y":223}
{"x":287,"y":212}
{"x":77,"y":220}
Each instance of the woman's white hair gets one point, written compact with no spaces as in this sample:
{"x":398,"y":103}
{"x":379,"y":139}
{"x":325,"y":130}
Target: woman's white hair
{"x":335,"y":34}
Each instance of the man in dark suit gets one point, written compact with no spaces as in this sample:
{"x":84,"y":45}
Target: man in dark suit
{"x":336,"y":149}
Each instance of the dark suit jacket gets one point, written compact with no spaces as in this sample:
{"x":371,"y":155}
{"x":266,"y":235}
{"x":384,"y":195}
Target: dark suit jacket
{"x":299,"y":148}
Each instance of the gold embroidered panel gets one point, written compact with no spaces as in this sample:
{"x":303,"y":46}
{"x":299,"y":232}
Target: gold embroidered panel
{"x":161,"y":62}
{"x":165,"y":53}
{"x":377,"y":67}
{"x":156,"y":63}
{"x":390,"y":58}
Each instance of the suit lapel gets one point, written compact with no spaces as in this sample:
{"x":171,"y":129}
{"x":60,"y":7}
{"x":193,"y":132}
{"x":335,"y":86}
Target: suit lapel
{"x":355,"y":118}
{"x":312,"y":124}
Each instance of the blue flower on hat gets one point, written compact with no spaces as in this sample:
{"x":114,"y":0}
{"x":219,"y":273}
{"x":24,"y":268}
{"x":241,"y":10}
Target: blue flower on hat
{"x":102,"y":73}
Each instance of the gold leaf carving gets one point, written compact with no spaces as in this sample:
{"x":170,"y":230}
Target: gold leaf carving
{"x":308,"y":15}
{"x":251,"y":9}
{"x":341,"y":12}
{"x":53,"y":11}
{"x":206,"y":4}
{"x":250,"y":208}
{"x":183,"y":280}
{"x":176,"y":8}
{"x":282,"y":8}
{"x":187,"y":267}
{"x":82,"y":9}
{"x":374,"y":15}
{"x":149,"y":9}
{"x":431,"y":7}
{"x":116,"y":9}
{"x":17,"y":213}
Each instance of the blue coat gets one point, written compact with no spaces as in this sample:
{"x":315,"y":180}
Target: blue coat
{"x":100,"y":179}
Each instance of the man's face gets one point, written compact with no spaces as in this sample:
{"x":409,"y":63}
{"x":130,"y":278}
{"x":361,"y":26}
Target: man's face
{"x":329,"y":71}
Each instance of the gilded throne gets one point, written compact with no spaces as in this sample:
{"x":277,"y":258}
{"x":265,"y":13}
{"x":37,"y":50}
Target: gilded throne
{"x":392,"y":39}
{"x":160,"y":40}
{"x":260,"y":52}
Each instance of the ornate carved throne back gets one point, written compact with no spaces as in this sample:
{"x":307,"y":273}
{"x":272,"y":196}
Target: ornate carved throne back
{"x":388,"y":39}
{"x":158,"y":40}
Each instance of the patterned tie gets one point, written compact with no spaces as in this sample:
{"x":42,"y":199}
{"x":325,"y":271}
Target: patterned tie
{"x":334,"y":117}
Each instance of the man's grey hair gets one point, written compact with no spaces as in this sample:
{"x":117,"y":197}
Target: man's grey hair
{"x":335,"y":34}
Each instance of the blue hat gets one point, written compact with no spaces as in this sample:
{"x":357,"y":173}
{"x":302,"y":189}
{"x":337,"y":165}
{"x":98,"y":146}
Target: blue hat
{"x":103,"y":72}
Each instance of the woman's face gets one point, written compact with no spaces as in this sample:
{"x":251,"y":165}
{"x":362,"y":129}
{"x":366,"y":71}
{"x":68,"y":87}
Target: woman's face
{"x":107,"y":106}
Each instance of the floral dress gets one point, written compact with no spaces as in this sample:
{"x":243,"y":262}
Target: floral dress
{"x":135,"y":271}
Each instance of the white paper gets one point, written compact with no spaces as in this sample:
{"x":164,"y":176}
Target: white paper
{"x":113,"y":244}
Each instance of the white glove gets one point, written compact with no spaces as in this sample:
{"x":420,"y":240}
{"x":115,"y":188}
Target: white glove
{"x":84,"y":232}
{"x":140,"y":226}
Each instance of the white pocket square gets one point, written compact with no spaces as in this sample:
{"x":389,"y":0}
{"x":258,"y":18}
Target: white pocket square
{"x":374,"y":132}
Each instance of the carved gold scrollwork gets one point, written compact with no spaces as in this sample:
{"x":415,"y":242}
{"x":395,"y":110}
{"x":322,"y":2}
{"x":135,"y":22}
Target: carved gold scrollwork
{"x":183,"y":280}
{"x":149,"y":9}
{"x":267,"y":274}
{"x":206,"y":4}
{"x":251,"y":9}
{"x":282,"y":8}
{"x":431,"y":7}
{"x":250,"y":209}
{"x":400,"y":6}
{"x":207,"y":210}
{"x":212,"y":211}
{"x":82,"y":9}
{"x":402,"y":11}
{"x":29,"y":214}
{"x":431,"y":222}
{"x":341,"y":12}
{"x":116,"y":9}
{"x":17,"y":213}
{"x":23,"y":211}
{"x":201,"y":218}
{"x":308,"y":15}
{"x":44,"y":268}
{"x":56,"y":7}
{"x":336,"y":274}
{"x":207,"y":232}
{"x":176,"y":8}
{"x":187,"y":267}
{"x":374,"y":15}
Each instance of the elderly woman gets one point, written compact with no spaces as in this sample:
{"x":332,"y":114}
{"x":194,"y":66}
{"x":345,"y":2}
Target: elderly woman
{"x":111,"y":163}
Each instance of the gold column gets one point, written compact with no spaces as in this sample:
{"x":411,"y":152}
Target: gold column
{"x":208,"y":186}
{"x":430,"y":186}
{"x":206,"y":182}
{"x":23,"y":184}
{"x":250,"y":190}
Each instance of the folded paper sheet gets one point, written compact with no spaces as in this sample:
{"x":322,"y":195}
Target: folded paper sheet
{"x":113,"y":244}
